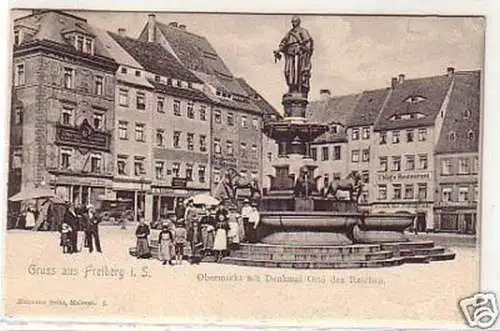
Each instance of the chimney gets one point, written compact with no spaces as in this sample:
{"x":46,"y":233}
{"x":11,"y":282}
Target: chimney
{"x":151,"y":28}
{"x":394,"y":82}
{"x":401,"y":78}
{"x":450,"y":71}
{"x":121,"y":32}
{"x":324,"y":94}
{"x":174,"y":24}
{"x":182,"y":26}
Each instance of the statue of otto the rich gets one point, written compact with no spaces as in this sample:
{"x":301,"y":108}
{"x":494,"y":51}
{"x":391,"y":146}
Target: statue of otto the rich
{"x":297,"y":48}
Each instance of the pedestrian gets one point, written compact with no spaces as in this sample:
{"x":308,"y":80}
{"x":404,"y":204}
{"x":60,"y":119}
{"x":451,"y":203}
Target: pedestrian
{"x":66,"y":238}
{"x":220,"y":241}
{"x":166,"y":243}
{"x":246,"y":210}
{"x":71,"y":219}
{"x":208,"y":233}
{"x":30,"y":217}
{"x":234,"y":232}
{"x":180,"y":210}
{"x":180,"y":238}
{"x":91,"y":222}
{"x":142,"y":232}
{"x":253,"y":223}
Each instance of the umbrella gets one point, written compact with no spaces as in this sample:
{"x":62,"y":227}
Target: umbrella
{"x":32,"y":194}
{"x":204,"y":199}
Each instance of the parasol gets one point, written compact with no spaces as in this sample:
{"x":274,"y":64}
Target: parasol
{"x":204,"y":199}
{"x":32,"y":194}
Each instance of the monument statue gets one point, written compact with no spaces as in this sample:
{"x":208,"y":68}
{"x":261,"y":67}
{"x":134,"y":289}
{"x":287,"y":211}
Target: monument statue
{"x":297,"y":48}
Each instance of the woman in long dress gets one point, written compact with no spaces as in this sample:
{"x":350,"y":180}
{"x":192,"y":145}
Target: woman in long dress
{"x":142,"y":233}
{"x":166,"y":241}
{"x":30,"y":217}
{"x":220,"y":241}
{"x":234,"y":231}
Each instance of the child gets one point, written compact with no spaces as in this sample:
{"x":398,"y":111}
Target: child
{"x":166,"y":242}
{"x":180,"y":241}
{"x":66,"y":238}
{"x":220,"y":241}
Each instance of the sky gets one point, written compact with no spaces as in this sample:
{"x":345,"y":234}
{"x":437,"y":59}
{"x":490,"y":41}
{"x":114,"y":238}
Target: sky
{"x":352,"y":53}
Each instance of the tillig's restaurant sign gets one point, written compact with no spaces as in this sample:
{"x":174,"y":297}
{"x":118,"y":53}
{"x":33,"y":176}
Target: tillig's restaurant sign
{"x":405,"y":176}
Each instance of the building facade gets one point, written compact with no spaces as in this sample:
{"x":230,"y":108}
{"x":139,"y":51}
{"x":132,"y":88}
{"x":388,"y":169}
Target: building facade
{"x":457,"y":158}
{"x":63,"y":103}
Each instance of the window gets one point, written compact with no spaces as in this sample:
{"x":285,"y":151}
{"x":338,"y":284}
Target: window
{"x":123,"y":97}
{"x":19,"y":77}
{"x":446,"y":194}
{"x":396,"y":163}
{"x":395,"y":137}
{"x":123,"y":130}
{"x":89,"y":46}
{"x":139,"y":132}
{"x":475,"y":165}
{"x":177,"y":139}
{"x":216,"y":176}
{"x":190,"y":110}
{"x":203,"y":113}
{"x":314,"y":153}
{"x":203,"y":143}
{"x":244,"y":122}
{"x":157,"y":78}
{"x":139,"y":166}
{"x":189,"y":172}
{"x":67,"y":116}
{"x":365,"y":175}
{"x":201,"y":173}
{"x":366,"y":155}
{"x":366,"y":133}
{"x":254,"y":151}
{"x":217,"y":116}
{"x":269,"y":156}
{"x":159,"y":170}
{"x":422,"y":134}
{"x":68,"y":78}
{"x":355,"y":155}
{"x":396,"y":191}
{"x":98,"y":121}
{"x":334,"y":129}
{"x":355,"y":134}
{"x":17,"y":38}
{"x":466,"y":114}
{"x":79,"y":43}
{"x":137,"y":73}
{"x":324,"y":153}
{"x":160,"y":104}
{"x":121,"y":165}
{"x":229,"y":148}
{"x":190,"y":141}
{"x":422,"y":191}
{"x":176,"y":169}
{"x":66,"y":158}
{"x":98,"y":85}
{"x":452,"y":136}
{"x":408,"y":191}
{"x":422,"y":162}
{"x":230,"y":119}
{"x":383,"y":163}
{"x":217,"y":146}
{"x":160,"y":141}
{"x":410,"y":162}
{"x":18,"y":119}
{"x":383,"y":138}
{"x":476,"y":193}
{"x":124,"y":70}
{"x":382,"y":192}
{"x":95,"y":163}
{"x":140,"y":101}
{"x":337,"y":152}
{"x":463,"y":194}
{"x":177,"y":108}
{"x":446,"y":167}
{"x":409,"y":135}
{"x":255,"y":123}
{"x":463,"y":166}
{"x":243,"y":150}
{"x":470,"y":135}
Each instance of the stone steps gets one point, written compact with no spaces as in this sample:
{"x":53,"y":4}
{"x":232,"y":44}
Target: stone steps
{"x":317,"y":250}
{"x":310,"y":257}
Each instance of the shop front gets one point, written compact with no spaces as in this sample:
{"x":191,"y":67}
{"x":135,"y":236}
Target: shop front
{"x":137,"y":193}
{"x":423,"y":211}
{"x":81,"y":191}
{"x":459,"y":219}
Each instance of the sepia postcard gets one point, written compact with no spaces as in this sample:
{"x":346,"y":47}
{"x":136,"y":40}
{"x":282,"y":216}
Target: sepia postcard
{"x":245,"y":169}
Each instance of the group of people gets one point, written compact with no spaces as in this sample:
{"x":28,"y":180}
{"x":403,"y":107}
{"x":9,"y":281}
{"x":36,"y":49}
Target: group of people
{"x":83,"y":223}
{"x":199,"y":231}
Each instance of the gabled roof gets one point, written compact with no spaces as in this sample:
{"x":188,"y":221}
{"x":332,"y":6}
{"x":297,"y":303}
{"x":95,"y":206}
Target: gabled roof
{"x":262,"y":103}
{"x":429,"y":92}
{"x":52,"y":25}
{"x":335,"y":110}
{"x":154,"y":58}
{"x":465,"y":96}
{"x":367,"y":108}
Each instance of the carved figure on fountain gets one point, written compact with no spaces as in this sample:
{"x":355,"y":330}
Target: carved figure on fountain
{"x":305,"y":183}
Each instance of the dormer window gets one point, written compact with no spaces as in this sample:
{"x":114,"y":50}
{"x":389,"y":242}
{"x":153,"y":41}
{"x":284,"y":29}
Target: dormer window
{"x":81,"y":42}
{"x":452,"y":136}
{"x":414,"y":99}
{"x":137,"y":73}
{"x":17,"y":37}
{"x":157,"y":78}
{"x":124,"y":70}
{"x":334,"y":129}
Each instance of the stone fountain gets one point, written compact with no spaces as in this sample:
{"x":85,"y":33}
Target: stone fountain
{"x":299,"y":228}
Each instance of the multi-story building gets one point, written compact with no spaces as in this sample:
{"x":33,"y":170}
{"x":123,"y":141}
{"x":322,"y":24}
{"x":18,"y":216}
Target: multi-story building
{"x":360,"y":137}
{"x":63,"y":107}
{"x":168,"y":154}
{"x":236,"y":120}
{"x":406,"y":132}
{"x":330,"y":150}
{"x":457,"y":157}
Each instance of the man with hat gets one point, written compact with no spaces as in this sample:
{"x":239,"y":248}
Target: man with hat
{"x":92,"y":229}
